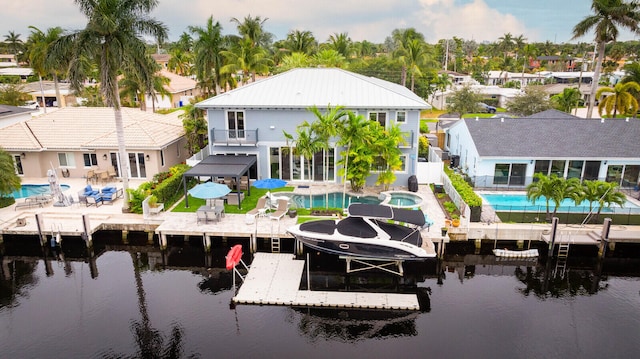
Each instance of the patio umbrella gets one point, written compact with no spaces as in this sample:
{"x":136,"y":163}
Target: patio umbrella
{"x":209,"y":190}
{"x":269,"y":183}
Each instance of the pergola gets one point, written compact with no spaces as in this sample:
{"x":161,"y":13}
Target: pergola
{"x":221,"y":166}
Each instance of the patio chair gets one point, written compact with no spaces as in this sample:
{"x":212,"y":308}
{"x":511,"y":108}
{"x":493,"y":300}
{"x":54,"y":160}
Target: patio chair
{"x":260,"y":206}
{"x":201,"y":217}
{"x":104,"y":177}
{"x":244,"y":183}
{"x":91,"y":176}
{"x":111,"y":171}
{"x":283,"y":204}
{"x":94,"y":201}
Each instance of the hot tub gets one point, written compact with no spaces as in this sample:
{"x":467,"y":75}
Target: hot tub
{"x":402,"y":199}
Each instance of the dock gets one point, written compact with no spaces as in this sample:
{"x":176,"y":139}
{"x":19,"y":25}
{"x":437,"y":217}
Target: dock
{"x":274,"y":279}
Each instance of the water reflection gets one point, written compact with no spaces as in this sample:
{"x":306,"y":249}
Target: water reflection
{"x":351,"y":325}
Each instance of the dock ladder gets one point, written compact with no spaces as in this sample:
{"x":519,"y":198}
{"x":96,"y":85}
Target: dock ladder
{"x":563,"y":254}
{"x":275,"y":238}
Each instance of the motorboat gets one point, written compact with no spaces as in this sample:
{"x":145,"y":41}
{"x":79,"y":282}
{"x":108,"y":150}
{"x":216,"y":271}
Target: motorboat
{"x":370,"y":231}
{"x":508,"y":253}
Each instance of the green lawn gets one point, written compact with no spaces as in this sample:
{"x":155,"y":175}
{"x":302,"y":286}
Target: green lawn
{"x":248,"y":203}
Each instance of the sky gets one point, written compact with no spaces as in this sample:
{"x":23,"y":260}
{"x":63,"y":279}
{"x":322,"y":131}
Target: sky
{"x":371,"y":20}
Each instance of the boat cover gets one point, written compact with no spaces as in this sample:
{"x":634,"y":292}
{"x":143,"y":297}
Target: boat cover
{"x":385,"y":212}
{"x":326,"y":226}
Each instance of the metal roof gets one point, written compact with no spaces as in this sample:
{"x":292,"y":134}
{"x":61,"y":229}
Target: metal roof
{"x":555,"y":137}
{"x":306,"y":87}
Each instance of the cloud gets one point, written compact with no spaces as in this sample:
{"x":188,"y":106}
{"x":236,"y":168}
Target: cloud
{"x":475,"y":20}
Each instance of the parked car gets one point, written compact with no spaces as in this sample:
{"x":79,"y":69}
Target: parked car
{"x":31,"y":104}
{"x":486,"y":108}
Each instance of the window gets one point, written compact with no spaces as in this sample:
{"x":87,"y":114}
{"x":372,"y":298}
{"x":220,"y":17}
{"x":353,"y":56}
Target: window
{"x":17,"y":163}
{"x":235,"y":124}
{"x":162,"y":157}
{"x":501,"y":173}
{"x":381,"y":117}
{"x":401,"y":116}
{"x":575,"y":169}
{"x":178,"y":150}
{"x":90,"y":159}
{"x":66,"y":159}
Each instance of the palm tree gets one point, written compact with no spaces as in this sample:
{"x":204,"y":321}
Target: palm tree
{"x":195,"y":128}
{"x":294,"y":60}
{"x":326,"y":126}
{"x":9,"y":180}
{"x":341,"y":43}
{"x":209,"y":60}
{"x":610,"y":195}
{"x":387,"y":146}
{"x":607,"y":16}
{"x":111,"y":38}
{"x":506,"y":43}
{"x":300,"y":41}
{"x":38,"y":45}
{"x":619,"y":99}
{"x":400,"y":39}
{"x":180,"y":62}
{"x":15,"y":45}
{"x":329,"y":58}
{"x":352,"y":132}
{"x":305,"y":144}
{"x":553,"y":189}
{"x":567,"y":100}
{"x":248,"y":59}
{"x":252,"y":29}
{"x":413,"y":56}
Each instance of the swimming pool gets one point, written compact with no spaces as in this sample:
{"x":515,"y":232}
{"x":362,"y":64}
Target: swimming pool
{"x":519,"y":202}
{"x":335,"y":199}
{"x":401,"y":199}
{"x":27,"y":190}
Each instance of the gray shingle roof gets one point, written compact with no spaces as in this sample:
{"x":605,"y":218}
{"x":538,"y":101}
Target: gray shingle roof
{"x":305,"y":87}
{"x":555,"y":137}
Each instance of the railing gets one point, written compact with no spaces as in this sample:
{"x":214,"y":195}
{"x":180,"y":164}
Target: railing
{"x":234,"y":137}
{"x":516,"y":183}
{"x":576,"y":214}
{"x":408,"y":139}
{"x":197,"y":157}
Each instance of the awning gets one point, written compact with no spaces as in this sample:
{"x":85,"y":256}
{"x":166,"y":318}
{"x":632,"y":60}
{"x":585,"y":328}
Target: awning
{"x":221,"y":166}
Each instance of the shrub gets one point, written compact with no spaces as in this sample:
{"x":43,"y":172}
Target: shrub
{"x":464,"y":189}
{"x":165,"y":187}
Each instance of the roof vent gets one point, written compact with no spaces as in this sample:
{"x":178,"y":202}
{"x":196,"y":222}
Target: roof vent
{"x":502,"y":119}
{"x":602,"y":120}
{"x":476,"y":118}
{"x":626,"y":119}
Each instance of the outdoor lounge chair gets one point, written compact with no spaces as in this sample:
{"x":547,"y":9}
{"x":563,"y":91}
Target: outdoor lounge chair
{"x":281,"y":210}
{"x":94,"y":201}
{"x":261,"y":205}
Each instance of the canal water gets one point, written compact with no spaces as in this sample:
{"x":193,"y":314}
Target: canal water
{"x":132,"y":301}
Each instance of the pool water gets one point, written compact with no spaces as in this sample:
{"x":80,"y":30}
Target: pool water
{"x":28,"y":190}
{"x":335,"y":200}
{"x":519,"y":202}
{"x":402,"y":199}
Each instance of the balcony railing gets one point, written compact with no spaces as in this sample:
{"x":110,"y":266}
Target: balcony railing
{"x":234,"y":137}
{"x":408,"y":138}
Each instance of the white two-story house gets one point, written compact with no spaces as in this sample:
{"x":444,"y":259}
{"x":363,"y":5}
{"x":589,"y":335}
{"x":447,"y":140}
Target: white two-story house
{"x":250,"y":120}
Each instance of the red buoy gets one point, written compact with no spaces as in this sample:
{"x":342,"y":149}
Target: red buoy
{"x":234,"y":256}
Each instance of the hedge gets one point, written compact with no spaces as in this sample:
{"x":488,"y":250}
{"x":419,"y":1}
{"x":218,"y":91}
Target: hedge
{"x":464,"y":189}
{"x":166,"y":186}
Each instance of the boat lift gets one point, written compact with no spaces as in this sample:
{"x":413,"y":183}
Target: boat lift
{"x":374,"y":263}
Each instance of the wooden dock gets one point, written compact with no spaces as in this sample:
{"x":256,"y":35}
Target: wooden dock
{"x":274,"y":279}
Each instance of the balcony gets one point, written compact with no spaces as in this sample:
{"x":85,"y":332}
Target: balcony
{"x":234,"y":137}
{"x":408,"y":139}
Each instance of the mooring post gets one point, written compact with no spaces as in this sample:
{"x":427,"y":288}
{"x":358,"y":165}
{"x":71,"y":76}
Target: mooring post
{"x":206,"y":241}
{"x":604,"y":237}
{"x":150,"y":237}
{"x":163,"y":240}
{"x":125,"y":236}
{"x":87,"y":230}
{"x":552,"y":241}
{"x":93,"y":266}
{"x":253,"y":243}
{"x":520,"y":243}
{"x":40,"y":226}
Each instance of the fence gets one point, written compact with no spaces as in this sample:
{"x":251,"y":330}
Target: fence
{"x":577,"y":215}
{"x":520,"y":183}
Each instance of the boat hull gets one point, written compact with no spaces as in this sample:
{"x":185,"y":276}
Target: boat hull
{"x":363,"y":250}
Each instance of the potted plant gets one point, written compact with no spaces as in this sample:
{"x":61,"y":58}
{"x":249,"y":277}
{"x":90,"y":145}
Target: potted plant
{"x":444,"y":231}
{"x":455,"y":221}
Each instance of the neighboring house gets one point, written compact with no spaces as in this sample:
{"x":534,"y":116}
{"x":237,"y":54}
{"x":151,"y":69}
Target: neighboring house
{"x":67,"y":96}
{"x":8,"y":60}
{"x":458,"y":78}
{"x":77,"y":139}
{"x":500,"y":94}
{"x":181,"y":91}
{"x":495,"y":78}
{"x":162,"y":60}
{"x":12,"y":114}
{"x":23,"y":72}
{"x":250,"y":120}
{"x":562,"y":63}
{"x":507,"y":152}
